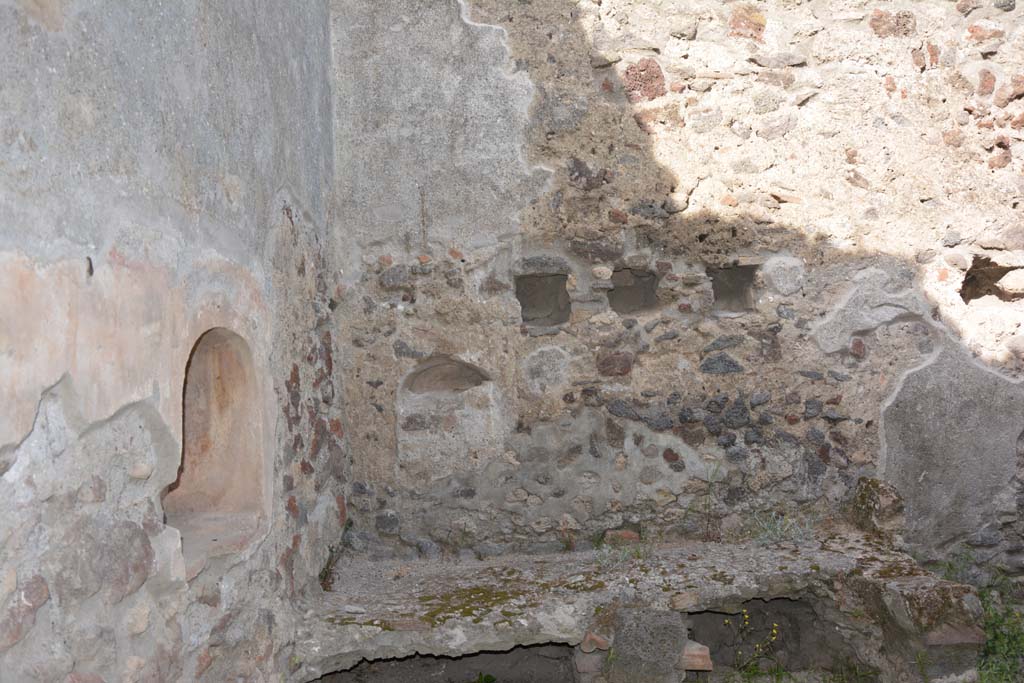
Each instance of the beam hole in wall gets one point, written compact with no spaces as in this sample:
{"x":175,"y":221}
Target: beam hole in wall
{"x":635,"y":291}
{"x":443,"y":373}
{"x":531,"y":664}
{"x":982,"y":279}
{"x":733,"y":288}
{"x":217,"y":500}
{"x":543,"y":298}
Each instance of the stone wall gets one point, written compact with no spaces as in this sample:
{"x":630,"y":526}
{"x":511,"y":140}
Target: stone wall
{"x":772,"y":221}
{"x":511,"y":276}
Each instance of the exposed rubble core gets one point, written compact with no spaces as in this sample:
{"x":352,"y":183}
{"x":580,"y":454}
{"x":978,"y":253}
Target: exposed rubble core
{"x":586,"y":340}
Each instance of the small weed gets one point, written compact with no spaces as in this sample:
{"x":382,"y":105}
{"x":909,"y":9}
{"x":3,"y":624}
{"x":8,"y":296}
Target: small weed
{"x":708,"y":503}
{"x":922,"y":667}
{"x":1002,"y":659}
{"x":609,"y":557}
{"x":484,"y":678}
{"x":958,"y":567}
{"x":757,"y":660}
{"x":849,"y":672}
{"x":605,"y":558}
{"x":327,"y":572}
{"x":776,"y":527}
{"x":640,"y":552}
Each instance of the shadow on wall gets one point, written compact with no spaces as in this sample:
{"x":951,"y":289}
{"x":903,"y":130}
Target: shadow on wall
{"x":766,"y":285}
{"x":611,"y":198}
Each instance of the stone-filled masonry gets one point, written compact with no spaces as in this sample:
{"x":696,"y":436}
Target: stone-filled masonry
{"x":420,"y":301}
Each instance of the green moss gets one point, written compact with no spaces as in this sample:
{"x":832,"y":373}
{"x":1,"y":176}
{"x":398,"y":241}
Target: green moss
{"x":585,"y":585}
{"x":722,"y":577}
{"x":382,"y":624}
{"x":1004,"y":640}
{"x":473,"y":603}
{"x":898,"y":569}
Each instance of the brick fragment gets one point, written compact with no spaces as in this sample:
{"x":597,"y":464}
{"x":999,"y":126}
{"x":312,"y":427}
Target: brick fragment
{"x":746,"y":21}
{"x":886,"y":24}
{"x":644,"y":80}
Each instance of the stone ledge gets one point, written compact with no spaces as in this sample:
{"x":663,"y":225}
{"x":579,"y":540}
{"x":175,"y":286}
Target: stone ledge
{"x":393,"y":609}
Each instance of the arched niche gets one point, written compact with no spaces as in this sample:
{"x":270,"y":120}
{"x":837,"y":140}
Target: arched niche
{"x":217,"y":502}
{"x":451,"y":418}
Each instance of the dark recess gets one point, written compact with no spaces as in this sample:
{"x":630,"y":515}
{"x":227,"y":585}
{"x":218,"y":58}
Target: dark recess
{"x":981,"y":279}
{"x":635,"y":291}
{"x":533,"y":664}
{"x":733,"y":288}
{"x":544,"y":299}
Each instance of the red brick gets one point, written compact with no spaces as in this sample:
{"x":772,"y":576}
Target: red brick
{"x":953,"y":137}
{"x":592,"y":641}
{"x":617,"y":364}
{"x":1000,"y":159}
{"x":886,"y":24}
{"x":1009,"y":92}
{"x":965,"y":7}
{"x":644,"y":80}
{"x":342,"y":510}
{"x":617,"y":537}
{"x":618,"y":216}
{"x":858,"y":349}
{"x":986,"y":82}
{"x":917,"y":57}
{"x":980,"y":34}
{"x":746,"y":21}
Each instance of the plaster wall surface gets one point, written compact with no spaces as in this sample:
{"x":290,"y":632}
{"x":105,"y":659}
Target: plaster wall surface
{"x":165,"y":171}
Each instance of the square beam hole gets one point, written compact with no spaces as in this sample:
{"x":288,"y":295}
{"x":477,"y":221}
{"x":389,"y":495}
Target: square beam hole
{"x":733,"y":288}
{"x":544,"y":299}
{"x":635,"y":290}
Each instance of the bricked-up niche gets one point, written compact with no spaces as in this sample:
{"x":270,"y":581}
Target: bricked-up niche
{"x":733,"y":288}
{"x":217,"y":501}
{"x":543,"y":298}
{"x":444,"y":373}
{"x":635,"y":291}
